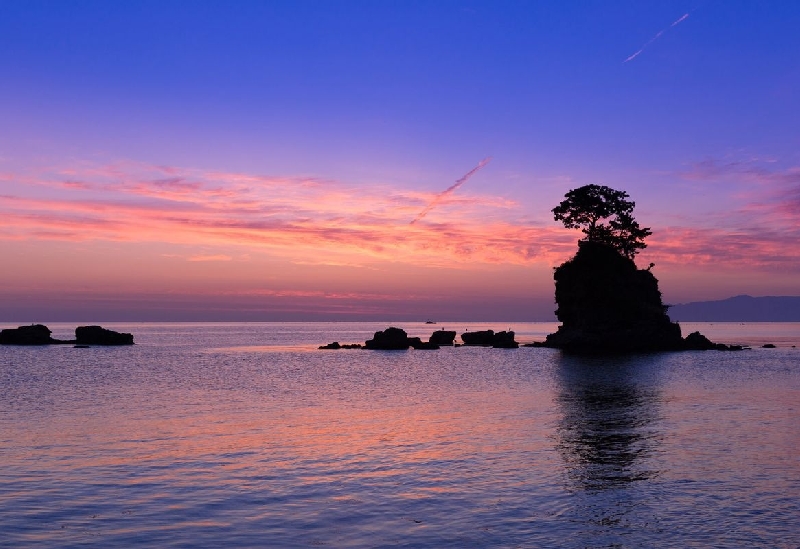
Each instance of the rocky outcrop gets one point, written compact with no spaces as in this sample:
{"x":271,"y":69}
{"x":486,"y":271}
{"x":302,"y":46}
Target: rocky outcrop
{"x":35,"y":334}
{"x":97,"y":335}
{"x":504,"y":340}
{"x":488,"y":338}
{"x":335,"y":345}
{"x":390,"y":339}
{"x":395,"y":339}
{"x":39,"y":334}
{"x":417,"y":343}
{"x":607,"y":305}
{"x":442,"y":337}
{"x":481,"y":337}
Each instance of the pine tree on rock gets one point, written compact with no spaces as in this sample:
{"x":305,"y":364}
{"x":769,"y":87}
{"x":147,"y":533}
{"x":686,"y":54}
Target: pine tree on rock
{"x":605,"y":216}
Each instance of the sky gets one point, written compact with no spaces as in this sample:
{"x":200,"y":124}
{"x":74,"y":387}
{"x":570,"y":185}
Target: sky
{"x":306,"y":160}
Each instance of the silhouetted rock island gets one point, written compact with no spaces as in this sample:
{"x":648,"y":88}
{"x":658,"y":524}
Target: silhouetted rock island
{"x":607,"y":305}
{"x":39,"y":334}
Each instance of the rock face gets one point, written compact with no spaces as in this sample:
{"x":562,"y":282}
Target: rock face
{"x":35,"y":334}
{"x":607,"y":305}
{"x":488,"y":338}
{"x":97,"y":335}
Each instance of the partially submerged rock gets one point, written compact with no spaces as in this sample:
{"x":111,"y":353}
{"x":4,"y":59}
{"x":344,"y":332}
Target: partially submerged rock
{"x":442,"y":337}
{"x":481,"y":337}
{"x":396,"y":339}
{"x":504,"y":340}
{"x":336,"y":345}
{"x":418,"y":344}
{"x":97,"y":335}
{"x":35,"y":334}
{"x":39,"y":334}
{"x":488,"y":338}
{"x":390,"y":339}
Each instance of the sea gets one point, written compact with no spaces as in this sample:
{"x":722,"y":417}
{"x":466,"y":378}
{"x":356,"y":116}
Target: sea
{"x":247,"y":435}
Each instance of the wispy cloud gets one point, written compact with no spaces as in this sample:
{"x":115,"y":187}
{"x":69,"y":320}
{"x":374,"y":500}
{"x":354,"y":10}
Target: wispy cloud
{"x":439,"y":197}
{"x":218,"y":217}
{"x":656,"y":37}
{"x":299,"y":219}
{"x":216,"y":257}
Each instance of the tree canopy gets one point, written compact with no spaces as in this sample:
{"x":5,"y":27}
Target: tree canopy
{"x":604,"y":215}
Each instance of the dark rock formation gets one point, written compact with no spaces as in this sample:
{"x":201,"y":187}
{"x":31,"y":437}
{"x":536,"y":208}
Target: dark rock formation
{"x":488,"y":338}
{"x":442,"y":337}
{"x":698,"y":342}
{"x":607,"y":305}
{"x":417,"y":343}
{"x":390,"y":339}
{"x":35,"y":334}
{"x":334,"y":345}
{"x":394,"y":339}
{"x":97,"y":335}
{"x":483,"y":337}
{"x":768,"y":346}
{"x":504,"y":340}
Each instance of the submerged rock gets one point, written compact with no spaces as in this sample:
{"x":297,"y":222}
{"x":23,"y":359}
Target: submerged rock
{"x":97,"y":335}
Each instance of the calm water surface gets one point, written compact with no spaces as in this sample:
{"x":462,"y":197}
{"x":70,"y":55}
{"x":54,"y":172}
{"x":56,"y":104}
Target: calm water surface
{"x":246,"y":435}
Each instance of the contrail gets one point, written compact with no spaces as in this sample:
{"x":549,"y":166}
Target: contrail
{"x":653,"y":39}
{"x":451,"y":189}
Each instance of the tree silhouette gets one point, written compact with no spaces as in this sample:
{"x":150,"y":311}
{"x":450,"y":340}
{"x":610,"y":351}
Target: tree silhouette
{"x":604,"y":215}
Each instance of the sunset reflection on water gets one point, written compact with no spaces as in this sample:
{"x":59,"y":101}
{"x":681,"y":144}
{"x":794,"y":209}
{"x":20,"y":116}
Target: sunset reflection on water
{"x":182,"y":444}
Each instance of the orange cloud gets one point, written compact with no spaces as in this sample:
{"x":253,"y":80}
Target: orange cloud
{"x":309,"y":221}
{"x":300,"y":219}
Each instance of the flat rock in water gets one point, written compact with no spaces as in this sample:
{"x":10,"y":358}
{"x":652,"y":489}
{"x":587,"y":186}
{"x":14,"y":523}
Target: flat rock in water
{"x":35,"y":334}
{"x":97,"y":335}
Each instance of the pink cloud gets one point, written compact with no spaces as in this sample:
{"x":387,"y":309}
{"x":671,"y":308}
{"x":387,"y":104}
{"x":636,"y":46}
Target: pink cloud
{"x":299,"y":219}
{"x":212,"y":257}
{"x":308,"y":221}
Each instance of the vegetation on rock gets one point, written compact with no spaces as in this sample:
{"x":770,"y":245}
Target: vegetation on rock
{"x":605,"y":216}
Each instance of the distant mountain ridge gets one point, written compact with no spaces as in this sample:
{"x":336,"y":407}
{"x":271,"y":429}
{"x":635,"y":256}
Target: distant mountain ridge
{"x":741,"y":308}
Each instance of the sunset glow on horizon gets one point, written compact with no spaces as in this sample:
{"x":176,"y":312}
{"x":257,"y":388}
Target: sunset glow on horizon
{"x":302,"y":160}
